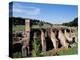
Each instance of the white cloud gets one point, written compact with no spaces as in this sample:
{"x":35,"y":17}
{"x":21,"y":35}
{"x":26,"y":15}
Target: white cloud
{"x":26,"y":10}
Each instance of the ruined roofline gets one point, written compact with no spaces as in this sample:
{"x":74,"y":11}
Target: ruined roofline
{"x":54,"y":27}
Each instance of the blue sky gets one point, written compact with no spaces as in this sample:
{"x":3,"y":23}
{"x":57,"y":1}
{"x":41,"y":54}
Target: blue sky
{"x":53,"y":13}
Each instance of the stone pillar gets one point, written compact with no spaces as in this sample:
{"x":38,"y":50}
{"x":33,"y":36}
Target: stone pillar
{"x":27,"y":27}
{"x":27,"y":30}
{"x":27,"y":38}
{"x":53,"y":39}
{"x":68,"y":35}
{"x":43,"y":41}
{"x":62,"y":39}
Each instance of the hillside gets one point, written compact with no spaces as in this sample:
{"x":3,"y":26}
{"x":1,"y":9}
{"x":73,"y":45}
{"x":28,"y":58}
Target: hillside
{"x":72,"y":23}
{"x":21,"y":21}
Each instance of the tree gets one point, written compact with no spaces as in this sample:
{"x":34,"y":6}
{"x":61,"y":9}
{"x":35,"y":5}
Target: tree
{"x":72,"y":23}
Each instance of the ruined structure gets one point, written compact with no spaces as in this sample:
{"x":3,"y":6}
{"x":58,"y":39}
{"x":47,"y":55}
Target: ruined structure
{"x":26,"y":39}
{"x":57,"y":34}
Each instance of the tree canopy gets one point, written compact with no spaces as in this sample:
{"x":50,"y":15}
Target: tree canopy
{"x":72,"y":23}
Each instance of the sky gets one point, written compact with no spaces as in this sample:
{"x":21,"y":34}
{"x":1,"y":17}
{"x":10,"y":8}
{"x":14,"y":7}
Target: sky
{"x":53,"y":13}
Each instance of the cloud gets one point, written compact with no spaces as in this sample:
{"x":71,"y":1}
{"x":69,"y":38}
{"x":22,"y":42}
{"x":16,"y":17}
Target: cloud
{"x":26,"y":10}
{"x":33,"y":11}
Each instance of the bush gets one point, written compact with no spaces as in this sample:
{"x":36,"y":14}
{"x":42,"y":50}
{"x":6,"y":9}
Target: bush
{"x":36,"y":47}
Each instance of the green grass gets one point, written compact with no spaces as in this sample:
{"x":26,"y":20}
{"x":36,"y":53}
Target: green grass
{"x":62,"y":51}
{"x":70,"y":51}
{"x":18,"y":28}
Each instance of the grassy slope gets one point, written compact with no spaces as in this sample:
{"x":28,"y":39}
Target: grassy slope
{"x":70,"y":51}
